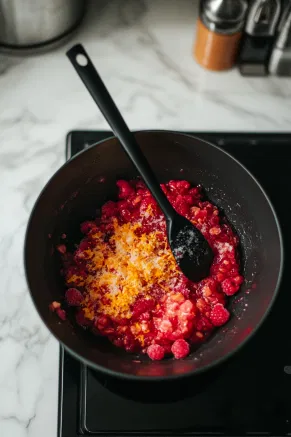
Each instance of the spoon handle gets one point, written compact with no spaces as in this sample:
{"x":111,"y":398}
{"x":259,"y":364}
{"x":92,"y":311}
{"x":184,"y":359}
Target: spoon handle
{"x":87,"y":72}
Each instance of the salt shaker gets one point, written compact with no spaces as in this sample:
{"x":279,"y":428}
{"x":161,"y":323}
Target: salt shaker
{"x":219,"y":31}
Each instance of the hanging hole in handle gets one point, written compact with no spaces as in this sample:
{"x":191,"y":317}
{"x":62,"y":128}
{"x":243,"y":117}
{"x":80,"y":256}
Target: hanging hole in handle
{"x":82,"y":60}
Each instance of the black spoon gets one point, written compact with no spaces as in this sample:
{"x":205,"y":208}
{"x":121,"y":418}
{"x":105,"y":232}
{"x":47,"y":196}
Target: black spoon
{"x":190,"y":249}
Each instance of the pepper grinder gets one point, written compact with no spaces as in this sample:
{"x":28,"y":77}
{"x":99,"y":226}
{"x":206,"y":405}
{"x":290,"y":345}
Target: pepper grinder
{"x":219,"y":31}
{"x":280,"y":61}
{"x":259,"y":37}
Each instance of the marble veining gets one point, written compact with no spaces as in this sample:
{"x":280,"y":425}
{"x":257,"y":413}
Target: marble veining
{"x":142,"y":49}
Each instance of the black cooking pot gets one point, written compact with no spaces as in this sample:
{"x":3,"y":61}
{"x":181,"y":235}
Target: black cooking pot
{"x":76,"y":191}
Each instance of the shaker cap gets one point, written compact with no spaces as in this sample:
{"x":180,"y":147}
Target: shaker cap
{"x":224,"y":16}
{"x":284,"y":32}
{"x":263,"y":17}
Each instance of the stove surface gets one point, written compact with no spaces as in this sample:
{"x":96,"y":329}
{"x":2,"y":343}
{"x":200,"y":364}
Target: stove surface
{"x":249,"y":395}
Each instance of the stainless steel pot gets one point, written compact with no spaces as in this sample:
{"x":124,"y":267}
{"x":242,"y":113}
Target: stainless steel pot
{"x":37,"y":24}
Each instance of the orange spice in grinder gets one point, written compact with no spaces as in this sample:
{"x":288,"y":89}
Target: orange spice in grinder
{"x":218,"y":33}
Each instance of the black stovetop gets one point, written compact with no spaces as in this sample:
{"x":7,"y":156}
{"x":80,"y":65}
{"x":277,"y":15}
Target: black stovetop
{"x":249,"y":395}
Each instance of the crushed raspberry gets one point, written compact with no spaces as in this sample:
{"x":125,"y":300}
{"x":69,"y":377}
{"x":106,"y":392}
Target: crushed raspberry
{"x":87,"y":226}
{"x":144,"y":317}
{"x":179,"y":186}
{"x":109,"y":209}
{"x":183,"y":287}
{"x":156,"y":352}
{"x":74,"y":297}
{"x":125,"y":189}
{"x":165,"y":326}
{"x":219,"y":315}
{"x":142,"y":306}
{"x":187,"y":308}
{"x":102,"y":322}
{"x":62,"y":248}
{"x":61,"y":313}
{"x":124,"y":284}
{"x":180,"y":349}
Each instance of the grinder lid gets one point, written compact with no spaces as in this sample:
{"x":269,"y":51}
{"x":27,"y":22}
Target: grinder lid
{"x":224,"y":16}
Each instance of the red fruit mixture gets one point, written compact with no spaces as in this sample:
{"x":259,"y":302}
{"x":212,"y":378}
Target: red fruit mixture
{"x":125,"y":284}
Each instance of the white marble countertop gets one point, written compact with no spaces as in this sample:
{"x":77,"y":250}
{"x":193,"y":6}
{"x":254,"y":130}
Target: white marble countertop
{"x":143,"y":51}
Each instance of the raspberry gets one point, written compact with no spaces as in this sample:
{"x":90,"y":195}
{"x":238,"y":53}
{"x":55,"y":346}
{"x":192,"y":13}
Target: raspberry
{"x":84,"y":245}
{"x":188,"y":199}
{"x":203,"y":324}
{"x":122,"y":204}
{"x":136,"y":200}
{"x":102,"y":322}
{"x":203,"y":306}
{"x":148,"y":202}
{"x":125,"y":190}
{"x":141,"y":306}
{"x":179,"y":186}
{"x":129,"y":342}
{"x":118,"y":342}
{"x":87,"y":226}
{"x":219,"y":315}
{"x":182,"y":208}
{"x":180,"y":349}
{"x":109,"y":209}
{"x":79,"y":257}
{"x":61,"y":313}
{"x":215,"y":230}
{"x":74,"y":297}
{"x":195,"y":192}
{"x":229,"y":287}
{"x":81,"y":319}
{"x":139,"y":184}
{"x":238,"y":280}
{"x":156,"y":352}
{"x":144,"y":317}
{"x":125,"y":214}
{"x":143,"y":192}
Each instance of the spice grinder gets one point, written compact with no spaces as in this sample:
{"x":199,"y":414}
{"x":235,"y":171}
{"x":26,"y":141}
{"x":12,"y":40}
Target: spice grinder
{"x":219,"y":31}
